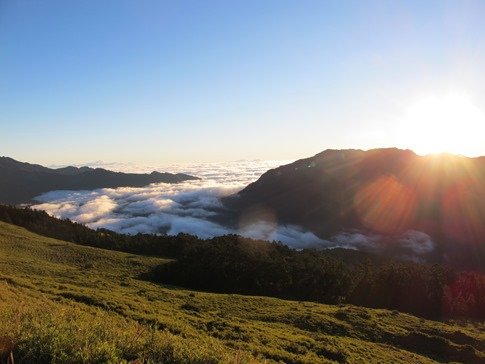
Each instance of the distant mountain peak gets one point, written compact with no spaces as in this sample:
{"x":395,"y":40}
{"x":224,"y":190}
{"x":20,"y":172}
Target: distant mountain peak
{"x":385,"y":190}
{"x":20,"y":182}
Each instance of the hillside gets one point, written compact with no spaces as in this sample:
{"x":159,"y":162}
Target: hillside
{"x":234,"y":264}
{"x":21,"y":182}
{"x":380,"y":191}
{"x":83,"y":304}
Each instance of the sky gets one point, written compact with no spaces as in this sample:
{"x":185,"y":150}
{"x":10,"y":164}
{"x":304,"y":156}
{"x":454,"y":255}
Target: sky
{"x":167,"y":82}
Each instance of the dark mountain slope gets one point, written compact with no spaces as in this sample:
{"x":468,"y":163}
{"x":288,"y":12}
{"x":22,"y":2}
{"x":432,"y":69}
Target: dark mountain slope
{"x":386,"y":191}
{"x":21,"y":182}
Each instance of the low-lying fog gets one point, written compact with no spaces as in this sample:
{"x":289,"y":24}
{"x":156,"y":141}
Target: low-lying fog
{"x":186,"y":207}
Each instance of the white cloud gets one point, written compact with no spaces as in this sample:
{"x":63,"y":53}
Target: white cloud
{"x":186,"y":207}
{"x":356,"y":240}
{"x":158,"y":208}
{"x":416,"y":241}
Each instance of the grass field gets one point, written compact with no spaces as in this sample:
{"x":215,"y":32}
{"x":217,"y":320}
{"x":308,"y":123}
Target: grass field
{"x":61,"y":302}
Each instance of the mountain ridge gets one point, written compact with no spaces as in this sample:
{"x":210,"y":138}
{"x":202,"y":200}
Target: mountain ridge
{"x":385,"y":191}
{"x":20,"y":182}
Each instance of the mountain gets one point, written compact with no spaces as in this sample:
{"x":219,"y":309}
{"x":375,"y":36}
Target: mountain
{"x":383,"y":191}
{"x":21,"y":182}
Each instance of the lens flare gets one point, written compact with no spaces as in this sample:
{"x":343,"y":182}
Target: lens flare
{"x":464,"y":213}
{"x":386,"y":206}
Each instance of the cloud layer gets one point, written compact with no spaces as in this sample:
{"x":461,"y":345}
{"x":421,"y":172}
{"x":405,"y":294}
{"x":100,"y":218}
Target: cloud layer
{"x":187,"y":207}
{"x":158,"y":208}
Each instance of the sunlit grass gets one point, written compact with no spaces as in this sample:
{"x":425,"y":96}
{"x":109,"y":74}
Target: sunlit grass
{"x":61,"y":302}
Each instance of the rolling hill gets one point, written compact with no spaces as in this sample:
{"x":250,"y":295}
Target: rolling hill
{"x":61,"y":302}
{"x":21,"y":182}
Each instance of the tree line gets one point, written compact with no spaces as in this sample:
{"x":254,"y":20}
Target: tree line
{"x":233,"y":264}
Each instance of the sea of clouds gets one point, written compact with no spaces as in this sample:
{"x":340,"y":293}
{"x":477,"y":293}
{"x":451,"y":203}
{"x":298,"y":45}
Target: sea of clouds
{"x":187,"y":207}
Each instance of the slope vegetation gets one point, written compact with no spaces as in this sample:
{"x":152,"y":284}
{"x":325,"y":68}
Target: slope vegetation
{"x":61,"y":302}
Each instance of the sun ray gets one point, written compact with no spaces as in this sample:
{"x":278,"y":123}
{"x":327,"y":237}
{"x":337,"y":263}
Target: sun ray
{"x":451,"y":124}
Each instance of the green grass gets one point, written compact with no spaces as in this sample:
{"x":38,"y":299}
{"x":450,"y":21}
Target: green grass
{"x":61,"y":302}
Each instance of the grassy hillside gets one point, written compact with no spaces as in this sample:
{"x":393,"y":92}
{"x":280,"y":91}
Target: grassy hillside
{"x":61,"y":302}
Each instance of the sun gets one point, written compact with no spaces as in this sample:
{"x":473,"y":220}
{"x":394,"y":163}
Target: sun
{"x":451,"y":124}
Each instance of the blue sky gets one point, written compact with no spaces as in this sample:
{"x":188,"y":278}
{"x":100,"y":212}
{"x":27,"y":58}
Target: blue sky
{"x":188,"y":81}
